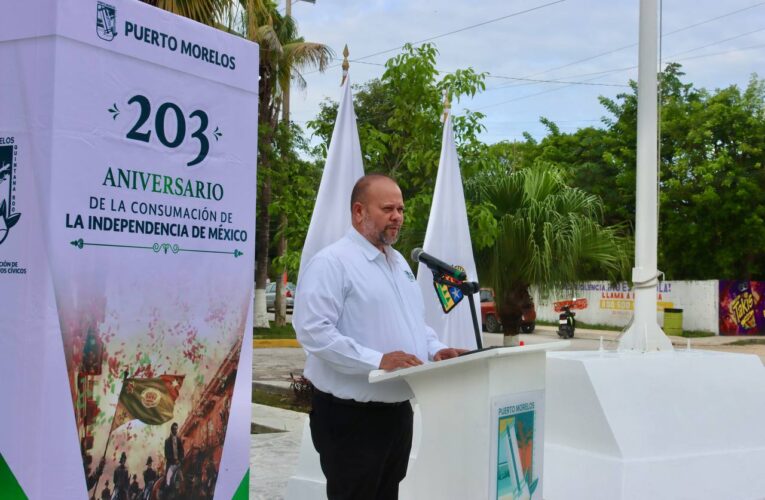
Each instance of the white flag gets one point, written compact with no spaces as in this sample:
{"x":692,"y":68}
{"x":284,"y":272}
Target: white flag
{"x":448,"y":238}
{"x":332,"y":212}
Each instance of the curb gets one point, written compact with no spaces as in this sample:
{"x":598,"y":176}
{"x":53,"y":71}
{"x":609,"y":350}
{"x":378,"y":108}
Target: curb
{"x":268,"y":343}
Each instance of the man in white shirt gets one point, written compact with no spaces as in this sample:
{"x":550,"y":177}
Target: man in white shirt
{"x":358,"y":308}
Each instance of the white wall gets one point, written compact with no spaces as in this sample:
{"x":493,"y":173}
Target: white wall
{"x":608,"y":304}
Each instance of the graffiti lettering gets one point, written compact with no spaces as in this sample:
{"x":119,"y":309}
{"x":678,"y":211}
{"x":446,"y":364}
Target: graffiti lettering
{"x":742,"y":310}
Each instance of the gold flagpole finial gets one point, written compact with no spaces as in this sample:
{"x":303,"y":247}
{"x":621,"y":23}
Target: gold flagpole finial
{"x":447,"y":105}
{"x":346,"y":65}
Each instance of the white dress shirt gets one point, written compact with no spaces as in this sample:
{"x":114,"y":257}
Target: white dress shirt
{"x":354,"y":304}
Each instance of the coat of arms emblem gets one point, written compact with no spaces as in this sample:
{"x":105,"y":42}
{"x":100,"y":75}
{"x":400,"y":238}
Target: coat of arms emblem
{"x":106,"y":21}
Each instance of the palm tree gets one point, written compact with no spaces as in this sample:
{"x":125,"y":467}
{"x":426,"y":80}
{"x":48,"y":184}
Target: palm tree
{"x":548,"y":236}
{"x":283,"y":56}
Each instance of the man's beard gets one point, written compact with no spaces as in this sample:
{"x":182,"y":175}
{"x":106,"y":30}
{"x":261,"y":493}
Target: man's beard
{"x":380,"y":237}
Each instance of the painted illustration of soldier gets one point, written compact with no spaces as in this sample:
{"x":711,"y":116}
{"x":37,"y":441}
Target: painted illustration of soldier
{"x":149,"y":478}
{"x":173,"y":459}
{"x":106,"y":493}
{"x":134,"y":491}
{"x":121,"y":479}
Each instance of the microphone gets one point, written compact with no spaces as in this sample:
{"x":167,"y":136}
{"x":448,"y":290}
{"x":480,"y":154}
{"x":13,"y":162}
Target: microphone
{"x":418,"y":255}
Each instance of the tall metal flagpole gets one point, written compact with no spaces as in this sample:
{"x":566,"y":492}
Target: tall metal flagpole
{"x":644,"y":334}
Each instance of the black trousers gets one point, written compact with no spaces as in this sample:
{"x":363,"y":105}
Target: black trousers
{"x":363,"y":447}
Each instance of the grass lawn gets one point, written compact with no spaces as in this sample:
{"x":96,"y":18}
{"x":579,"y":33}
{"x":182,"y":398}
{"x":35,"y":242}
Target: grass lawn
{"x":749,"y":342}
{"x":285,"y":401}
{"x":694,"y":334}
{"x":275,"y":332}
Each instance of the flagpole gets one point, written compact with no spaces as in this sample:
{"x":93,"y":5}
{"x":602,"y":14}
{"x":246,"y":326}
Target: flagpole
{"x":447,"y":106}
{"x":645,"y":334}
{"x":346,"y":64}
{"x":111,"y":429}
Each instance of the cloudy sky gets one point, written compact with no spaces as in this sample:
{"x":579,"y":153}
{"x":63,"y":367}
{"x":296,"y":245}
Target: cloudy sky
{"x":590,"y":42}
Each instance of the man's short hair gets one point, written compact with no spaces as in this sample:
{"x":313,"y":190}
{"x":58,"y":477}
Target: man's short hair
{"x":359,"y":193}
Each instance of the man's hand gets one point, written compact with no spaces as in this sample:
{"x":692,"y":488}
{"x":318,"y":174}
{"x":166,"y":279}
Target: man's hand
{"x":448,"y":353}
{"x":398,"y":359}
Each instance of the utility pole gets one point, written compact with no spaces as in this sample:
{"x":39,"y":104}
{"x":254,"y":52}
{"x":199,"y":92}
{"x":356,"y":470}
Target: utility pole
{"x":645,"y":334}
{"x":286,"y":91}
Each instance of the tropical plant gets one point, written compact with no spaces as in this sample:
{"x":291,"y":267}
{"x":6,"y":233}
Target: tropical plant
{"x":204,"y":11}
{"x":548,"y":236}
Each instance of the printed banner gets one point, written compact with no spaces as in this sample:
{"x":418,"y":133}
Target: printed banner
{"x":517,"y":438}
{"x":127,"y":219}
{"x":742,"y":307}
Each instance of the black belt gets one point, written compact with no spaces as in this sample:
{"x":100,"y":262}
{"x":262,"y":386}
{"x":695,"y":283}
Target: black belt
{"x":352,"y":402}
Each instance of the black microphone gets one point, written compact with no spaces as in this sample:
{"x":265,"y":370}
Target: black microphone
{"x":418,"y":255}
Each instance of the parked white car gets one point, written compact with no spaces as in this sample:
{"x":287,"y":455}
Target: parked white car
{"x":271,"y":295}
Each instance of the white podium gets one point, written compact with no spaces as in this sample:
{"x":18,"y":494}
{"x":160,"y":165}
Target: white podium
{"x":467,"y":407}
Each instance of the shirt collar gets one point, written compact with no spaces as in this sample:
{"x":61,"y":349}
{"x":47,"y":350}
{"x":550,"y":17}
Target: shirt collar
{"x":370,"y":251}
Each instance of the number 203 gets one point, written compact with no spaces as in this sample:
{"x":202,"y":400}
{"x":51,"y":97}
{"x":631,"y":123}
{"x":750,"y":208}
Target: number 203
{"x":136,"y":134}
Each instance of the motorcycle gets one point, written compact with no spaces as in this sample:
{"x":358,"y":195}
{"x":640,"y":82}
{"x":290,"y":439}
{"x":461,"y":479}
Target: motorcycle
{"x":566,"y":323}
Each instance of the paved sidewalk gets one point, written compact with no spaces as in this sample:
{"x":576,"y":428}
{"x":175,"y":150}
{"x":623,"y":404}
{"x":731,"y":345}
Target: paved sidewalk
{"x":274,"y":456}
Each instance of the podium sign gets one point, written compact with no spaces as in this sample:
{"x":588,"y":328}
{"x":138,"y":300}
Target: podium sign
{"x":517,"y":446}
{"x":127,"y":219}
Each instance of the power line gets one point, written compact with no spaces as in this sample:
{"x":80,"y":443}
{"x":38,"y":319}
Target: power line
{"x":501,"y":77}
{"x":684,"y":28}
{"x":600,"y":73}
{"x":568,"y":83}
{"x":527,"y":96}
{"x":718,"y":42}
{"x":484,"y":23}
{"x":518,"y":122}
{"x":673,"y":32}
{"x":596,"y":74}
{"x":535,"y":80}
{"x":742,"y":49}
{"x":494,"y":20}
{"x":673,"y":56}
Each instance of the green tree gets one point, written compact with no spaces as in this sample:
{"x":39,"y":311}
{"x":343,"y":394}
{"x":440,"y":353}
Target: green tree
{"x":548,"y":236}
{"x":712,"y":184}
{"x":712,"y":181}
{"x":295,"y":181}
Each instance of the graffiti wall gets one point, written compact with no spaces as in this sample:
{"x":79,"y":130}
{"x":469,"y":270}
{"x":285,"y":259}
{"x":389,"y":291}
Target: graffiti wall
{"x":612,"y":304}
{"x":742,"y":307}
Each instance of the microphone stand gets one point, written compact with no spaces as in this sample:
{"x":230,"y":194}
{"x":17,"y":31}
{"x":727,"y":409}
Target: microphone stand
{"x":468,"y":289}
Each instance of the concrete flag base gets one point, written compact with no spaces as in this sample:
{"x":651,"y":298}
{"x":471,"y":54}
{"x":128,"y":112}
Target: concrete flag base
{"x":658,"y":425}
